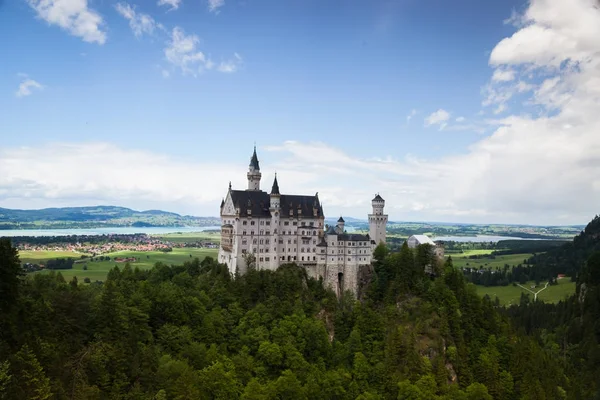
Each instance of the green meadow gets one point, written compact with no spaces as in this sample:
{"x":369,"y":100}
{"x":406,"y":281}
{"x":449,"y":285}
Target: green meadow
{"x":462,"y":260}
{"x":508,"y":295}
{"x":190,"y":237}
{"x":97,"y":270}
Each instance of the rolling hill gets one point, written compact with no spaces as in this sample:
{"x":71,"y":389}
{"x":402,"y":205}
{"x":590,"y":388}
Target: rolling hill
{"x":96,"y":216}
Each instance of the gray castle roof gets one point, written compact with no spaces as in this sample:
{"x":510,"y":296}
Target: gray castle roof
{"x":378,"y":198}
{"x":258,"y":202}
{"x":254,"y":160}
{"x":275,"y":188}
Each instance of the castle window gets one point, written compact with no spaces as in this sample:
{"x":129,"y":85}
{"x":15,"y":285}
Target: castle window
{"x":254,"y":241}
{"x":243,"y":251}
{"x":314,"y":233}
{"x":275,"y":231}
{"x":267,"y":258}
{"x":302,"y":250}
{"x":245,"y":223}
{"x":286,"y":223}
{"x":261,"y":259}
{"x":289,"y":241}
{"x":303,"y":223}
{"x":314,"y":258}
{"x":302,"y":232}
{"x":302,"y":258}
{"x":262,"y":232}
{"x":314,"y":250}
{"x":294,"y":223}
{"x":244,"y":233}
{"x":295,"y":241}
{"x":267,"y":241}
{"x":244,"y":242}
{"x":268,"y":232}
{"x":262,"y":222}
{"x":251,"y":222}
{"x":260,"y":251}
{"x":348,"y":258}
{"x":268,"y":223}
{"x":280,"y":241}
{"x":261,"y":241}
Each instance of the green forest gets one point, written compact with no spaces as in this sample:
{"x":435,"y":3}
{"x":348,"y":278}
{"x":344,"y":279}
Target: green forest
{"x":193,"y":331}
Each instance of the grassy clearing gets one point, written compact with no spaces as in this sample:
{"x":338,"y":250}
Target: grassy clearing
{"x":461,"y":261}
{"x":512,"y":294}
{"x":467,"y":253}
{"x":36,"y":257}
{"x":97,"y":270}
{"x":190,"y":237}
{"x":554,"y":294}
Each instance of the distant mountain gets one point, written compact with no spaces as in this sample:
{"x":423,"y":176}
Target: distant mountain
{"x":96,"y":216}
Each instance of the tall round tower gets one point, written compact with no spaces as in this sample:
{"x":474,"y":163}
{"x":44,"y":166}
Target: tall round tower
{"x":254,"y":173}
{"x":378,"y":220}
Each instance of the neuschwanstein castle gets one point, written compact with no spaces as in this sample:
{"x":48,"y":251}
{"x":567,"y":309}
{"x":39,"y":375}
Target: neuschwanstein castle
{"x":282,"y":228}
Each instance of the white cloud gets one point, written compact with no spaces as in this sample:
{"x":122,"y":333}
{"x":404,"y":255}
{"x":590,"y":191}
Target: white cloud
{"x":101,"y":173}
{"x":165,"y":73}
{"x":74,"y":16}
{"x":214,"y":5}
{"x":230,"y":65}
{"x":27,"y":86}
{"x":138,"y":22}
{"x":182,"y":52}
{"x":503,"y":75}
{"x":439,"y":117}
{"x":174,"y":4}
{"x":412,"y":113}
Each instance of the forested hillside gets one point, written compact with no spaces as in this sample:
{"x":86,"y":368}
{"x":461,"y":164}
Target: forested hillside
{"x":193,"y":332}
{"x":570,"y":330}
{"x":569,"y":258}
{"x":94,"y":217}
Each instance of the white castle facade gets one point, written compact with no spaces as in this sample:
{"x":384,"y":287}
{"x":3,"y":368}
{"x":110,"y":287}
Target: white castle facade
{"x":280,"y":228}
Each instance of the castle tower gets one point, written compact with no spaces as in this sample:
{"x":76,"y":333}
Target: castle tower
{"x":275,"y":210}
{"x":378,"y":221}
{"x":254,"y":173}
{"x":340,"y":224}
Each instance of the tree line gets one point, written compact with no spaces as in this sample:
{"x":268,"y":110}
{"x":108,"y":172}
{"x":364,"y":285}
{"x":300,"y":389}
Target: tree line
{"x":192,"y":331}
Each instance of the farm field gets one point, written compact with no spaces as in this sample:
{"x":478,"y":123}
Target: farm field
{"x":510,"y":294}
{"x":462,"y":260}
{"x":97,"y":270}
{"x":36,"y":257}
{"x":189,"y":237}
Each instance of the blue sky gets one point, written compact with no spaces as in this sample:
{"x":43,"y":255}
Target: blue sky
{"x":453,"y":111}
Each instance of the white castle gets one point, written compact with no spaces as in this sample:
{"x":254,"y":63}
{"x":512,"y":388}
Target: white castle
{"x":281,"y":228}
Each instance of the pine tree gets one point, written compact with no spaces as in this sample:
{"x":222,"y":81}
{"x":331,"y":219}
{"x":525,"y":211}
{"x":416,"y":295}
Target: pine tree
{"x":29,"y":379}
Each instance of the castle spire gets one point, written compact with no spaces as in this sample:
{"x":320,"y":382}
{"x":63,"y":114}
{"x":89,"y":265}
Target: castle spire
{"x":254,"y":160}
{"x":275,"y":188}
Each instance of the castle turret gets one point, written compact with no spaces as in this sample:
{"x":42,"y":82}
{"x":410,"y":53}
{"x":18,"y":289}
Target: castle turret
{"x":340,"y":224}
{"x":378,"y":221}
{"x":254,"y":173}
{"x":275,"y":195}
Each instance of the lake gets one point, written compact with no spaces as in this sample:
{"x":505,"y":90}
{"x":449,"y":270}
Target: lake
{"x":479,"y":238}
{"x":105,"y":231}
